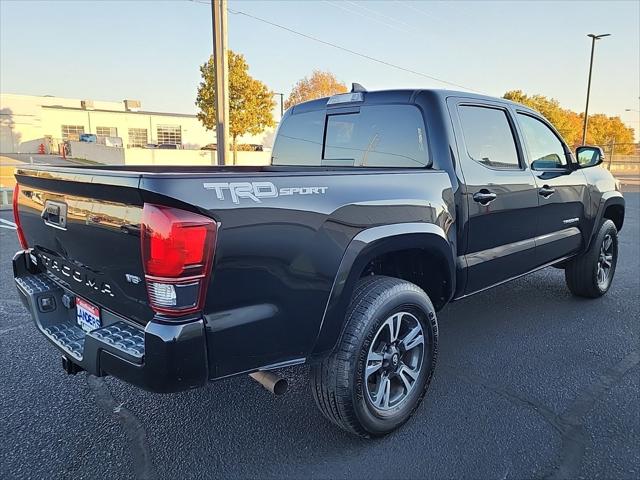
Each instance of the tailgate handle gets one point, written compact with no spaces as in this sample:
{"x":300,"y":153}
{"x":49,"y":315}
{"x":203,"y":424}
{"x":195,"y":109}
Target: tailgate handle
{"x":54,"y":214}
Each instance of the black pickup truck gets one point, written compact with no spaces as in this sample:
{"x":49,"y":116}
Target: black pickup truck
{"x":378,"y":209}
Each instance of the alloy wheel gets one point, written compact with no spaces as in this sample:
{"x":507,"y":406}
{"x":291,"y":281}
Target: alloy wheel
{"x":605,"y":262}
{"x":394,"y":361}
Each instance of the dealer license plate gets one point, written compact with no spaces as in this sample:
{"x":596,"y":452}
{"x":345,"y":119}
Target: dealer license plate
{"x":87,"y":315}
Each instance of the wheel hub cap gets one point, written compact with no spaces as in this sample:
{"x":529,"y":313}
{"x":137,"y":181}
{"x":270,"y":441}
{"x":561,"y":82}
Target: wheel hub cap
{"x":395,"y":359}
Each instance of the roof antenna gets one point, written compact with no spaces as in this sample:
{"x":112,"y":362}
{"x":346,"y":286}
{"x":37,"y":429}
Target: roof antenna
{"x":356,"y":87}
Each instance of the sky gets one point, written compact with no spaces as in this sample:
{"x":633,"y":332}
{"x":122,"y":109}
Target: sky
{"x":151,"y":50}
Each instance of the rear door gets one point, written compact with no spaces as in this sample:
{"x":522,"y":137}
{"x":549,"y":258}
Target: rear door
{"x":562,"y":189}
{"x":500,"y":192}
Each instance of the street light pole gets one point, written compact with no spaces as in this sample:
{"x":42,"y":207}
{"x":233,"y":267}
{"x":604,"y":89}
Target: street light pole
{"x":221,"y":67}
{"x":586,"y":108}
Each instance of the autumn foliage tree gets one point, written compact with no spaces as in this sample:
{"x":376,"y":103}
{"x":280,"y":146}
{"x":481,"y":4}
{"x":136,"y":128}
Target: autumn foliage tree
{"x":602,"y":130}
{"x":320,"y":84}
{"x":251,"y":103}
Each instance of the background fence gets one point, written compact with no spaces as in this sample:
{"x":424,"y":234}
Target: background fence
{"x":623,"y":160}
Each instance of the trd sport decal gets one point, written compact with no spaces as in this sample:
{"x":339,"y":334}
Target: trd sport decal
{"x":257,"y":190}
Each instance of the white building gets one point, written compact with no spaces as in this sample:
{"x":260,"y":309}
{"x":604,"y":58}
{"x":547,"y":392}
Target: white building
{"x":28,"y":121}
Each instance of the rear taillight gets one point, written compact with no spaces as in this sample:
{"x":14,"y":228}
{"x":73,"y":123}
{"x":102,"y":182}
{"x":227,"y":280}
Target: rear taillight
{"x":177,"y":254}
{"x":16,"y":218}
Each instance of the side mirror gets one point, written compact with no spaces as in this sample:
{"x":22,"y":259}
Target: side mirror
{"x":589,"y":156}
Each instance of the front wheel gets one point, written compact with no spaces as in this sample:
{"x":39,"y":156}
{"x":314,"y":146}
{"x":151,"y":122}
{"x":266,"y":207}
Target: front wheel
{"x":381,"y":368}
{"x":590,"y":275}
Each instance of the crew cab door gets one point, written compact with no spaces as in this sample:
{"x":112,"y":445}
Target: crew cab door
{"x":500,"y":194}
{"x":562,"y":189}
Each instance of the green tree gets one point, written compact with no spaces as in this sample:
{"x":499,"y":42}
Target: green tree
{"x":320,"y":84}
{"x":250,"y":101}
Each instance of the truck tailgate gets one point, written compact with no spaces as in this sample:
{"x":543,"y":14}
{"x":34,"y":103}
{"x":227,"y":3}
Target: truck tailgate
{"x":84,"y":229}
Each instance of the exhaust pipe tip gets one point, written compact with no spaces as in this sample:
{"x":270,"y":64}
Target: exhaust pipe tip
{"x":275,"y":384}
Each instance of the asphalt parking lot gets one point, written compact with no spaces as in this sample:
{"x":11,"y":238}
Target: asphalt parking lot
{"x":531,"y":383}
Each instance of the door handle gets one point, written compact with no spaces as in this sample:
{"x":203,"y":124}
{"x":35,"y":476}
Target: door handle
{"x":484,"y":197}
{"x":546,"y":191}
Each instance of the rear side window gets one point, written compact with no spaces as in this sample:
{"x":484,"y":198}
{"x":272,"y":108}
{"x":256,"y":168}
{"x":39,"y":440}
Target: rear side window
{"x":488,"y":137}
{"x":375,"y":136}
{"x":299,"y":139}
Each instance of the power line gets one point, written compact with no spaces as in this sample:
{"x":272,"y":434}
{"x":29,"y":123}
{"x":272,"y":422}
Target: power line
{"x":353,"y":52}
{"x":404,"y":24}
{"x":344,"y":49}
{"x":360,"y":13}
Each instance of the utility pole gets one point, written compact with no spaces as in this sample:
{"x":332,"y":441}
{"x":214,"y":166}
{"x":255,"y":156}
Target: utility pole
{"x":586,"y":108}
{"x":221,"y":62}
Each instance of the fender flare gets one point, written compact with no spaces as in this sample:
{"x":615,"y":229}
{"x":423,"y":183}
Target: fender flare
{"x":363,"y":248}
{"x":608,"y":199}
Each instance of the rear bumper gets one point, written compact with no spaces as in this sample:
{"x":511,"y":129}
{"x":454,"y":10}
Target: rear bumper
{"x":162,"y":357}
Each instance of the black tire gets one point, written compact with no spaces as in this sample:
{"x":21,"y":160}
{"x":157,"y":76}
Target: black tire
{"x":581,"y":273}
{"x":338,"y":383}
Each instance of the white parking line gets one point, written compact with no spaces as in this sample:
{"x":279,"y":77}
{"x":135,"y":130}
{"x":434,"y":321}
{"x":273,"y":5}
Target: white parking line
{"x":7,"y":224}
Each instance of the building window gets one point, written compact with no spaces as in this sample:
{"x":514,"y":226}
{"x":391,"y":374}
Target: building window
{"x":169,"y":134}
{"x":137,"y":137}
{"x":72,"y":132}
{"x":107,"y":131}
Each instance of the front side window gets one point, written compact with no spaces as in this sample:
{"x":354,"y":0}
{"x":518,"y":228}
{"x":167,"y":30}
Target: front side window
{"x":545,"y":148}
{"x":169,"y":134}
{"x":488,"y":136}
{"x":377,"y":136}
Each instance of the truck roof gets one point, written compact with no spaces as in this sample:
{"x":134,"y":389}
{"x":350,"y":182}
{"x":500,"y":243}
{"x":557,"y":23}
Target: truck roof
{"x":401,"y":96}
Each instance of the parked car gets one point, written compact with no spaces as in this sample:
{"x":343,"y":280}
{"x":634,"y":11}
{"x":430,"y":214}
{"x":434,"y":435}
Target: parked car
{"x":210,"y":146}
{"x":379,"y":209}
{"x":88,"y":137}
{"x":168,"y":146}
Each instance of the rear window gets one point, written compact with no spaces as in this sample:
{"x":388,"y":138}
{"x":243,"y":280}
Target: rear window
{"x":376,"y":136}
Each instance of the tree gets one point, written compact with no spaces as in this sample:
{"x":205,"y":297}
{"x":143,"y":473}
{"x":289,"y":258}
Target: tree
{"x":602,"y":130}
{"x":610,"y":131}
{"x":250,"y":101}
{"x":319,"y":84}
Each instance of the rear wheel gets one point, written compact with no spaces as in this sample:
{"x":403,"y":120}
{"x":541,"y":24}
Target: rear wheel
{"x":591,"y":274}
{"x":382,"y":366}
